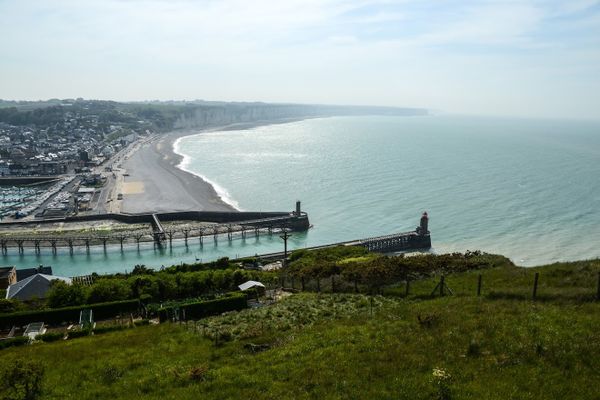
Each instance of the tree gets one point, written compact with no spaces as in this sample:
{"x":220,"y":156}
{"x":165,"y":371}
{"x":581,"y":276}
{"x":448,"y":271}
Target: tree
{"x":10,"y":305}
{"x":109,"y":290}
{"x":142,"y":270}
{"x":142,"y":285}
{"x":351,"y":272}
{"x":376,"y":273}
{"x":62,"y":294}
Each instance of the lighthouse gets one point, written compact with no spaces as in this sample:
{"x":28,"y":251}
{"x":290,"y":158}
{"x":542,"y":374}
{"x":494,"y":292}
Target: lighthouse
{"x":423,"y":228}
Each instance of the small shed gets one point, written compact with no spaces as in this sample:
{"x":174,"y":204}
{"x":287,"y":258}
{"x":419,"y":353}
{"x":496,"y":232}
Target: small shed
{"x":258,"y":287}
{"x":252,"y":285}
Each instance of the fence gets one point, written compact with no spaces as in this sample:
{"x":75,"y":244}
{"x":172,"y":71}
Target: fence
{"x":532,"y":286}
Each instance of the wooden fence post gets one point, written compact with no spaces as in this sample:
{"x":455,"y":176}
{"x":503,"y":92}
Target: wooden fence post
{"x":442,"y":285}
{"x":535,"y":284}
{"x":318,"y":285}
{"x":479,"y":285}
{"x":407,"y":288}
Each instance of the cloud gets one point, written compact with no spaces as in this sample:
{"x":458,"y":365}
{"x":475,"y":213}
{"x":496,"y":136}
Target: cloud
{"x":414,"y":52}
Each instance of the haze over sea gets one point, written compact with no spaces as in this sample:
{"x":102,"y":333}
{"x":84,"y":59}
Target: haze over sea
{"x":528,"y":189}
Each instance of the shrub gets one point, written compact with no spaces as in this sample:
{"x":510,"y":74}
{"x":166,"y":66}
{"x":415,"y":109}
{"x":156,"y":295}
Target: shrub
{"x":51,"y":336}
{"x":109,"y":290}
{"x":79,"y":333}
{"x":21,"y":380}
{"x":63,"y":295}
{"x":108,"y":328}
{"x":67,"y":314}
{"x":201,"y":309}
{"x":9,"y":305}
{"x":16,"y":341}
{"x":141,"y":322}
{"x":110,"y":374}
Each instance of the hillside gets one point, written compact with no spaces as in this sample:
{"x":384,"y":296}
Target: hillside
{"x":499,"y":345}
{"x":165,"y":116}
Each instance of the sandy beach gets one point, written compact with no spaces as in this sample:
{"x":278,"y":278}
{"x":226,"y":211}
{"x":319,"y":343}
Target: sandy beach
{"x":151,"y":181}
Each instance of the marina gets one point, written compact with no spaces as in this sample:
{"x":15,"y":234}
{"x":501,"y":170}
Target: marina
{"x":16,"y":198}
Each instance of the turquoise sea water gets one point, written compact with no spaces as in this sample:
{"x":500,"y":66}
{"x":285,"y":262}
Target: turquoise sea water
{"x":525,"y":188}
{"x":528,"y":189}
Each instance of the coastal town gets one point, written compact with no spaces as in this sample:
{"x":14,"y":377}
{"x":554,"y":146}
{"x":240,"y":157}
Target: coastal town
{"x":64,"y":162}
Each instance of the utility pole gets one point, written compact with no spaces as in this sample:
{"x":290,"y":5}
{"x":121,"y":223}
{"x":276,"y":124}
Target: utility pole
{"x":285,"y":236}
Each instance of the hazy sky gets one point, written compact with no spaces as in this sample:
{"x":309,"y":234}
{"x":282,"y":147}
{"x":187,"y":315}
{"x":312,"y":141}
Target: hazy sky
{"x":528,"y":58}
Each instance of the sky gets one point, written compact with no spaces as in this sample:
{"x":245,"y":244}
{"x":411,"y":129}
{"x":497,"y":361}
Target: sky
{"x":529,"y":58}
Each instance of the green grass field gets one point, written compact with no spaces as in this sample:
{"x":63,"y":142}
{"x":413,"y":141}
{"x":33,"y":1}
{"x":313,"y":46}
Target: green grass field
{"x":501,"y":345}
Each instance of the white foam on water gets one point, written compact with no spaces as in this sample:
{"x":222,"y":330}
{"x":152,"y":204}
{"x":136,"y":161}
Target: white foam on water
{"x":223,"y":194}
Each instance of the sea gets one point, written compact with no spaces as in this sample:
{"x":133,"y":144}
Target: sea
{"x":528,"y":189}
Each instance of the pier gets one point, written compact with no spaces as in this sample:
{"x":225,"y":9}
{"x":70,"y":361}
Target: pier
{"x":419,"y":239}
{"x":208,"y":224}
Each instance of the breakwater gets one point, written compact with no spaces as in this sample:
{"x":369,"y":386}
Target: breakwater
{"x":419,"y":239}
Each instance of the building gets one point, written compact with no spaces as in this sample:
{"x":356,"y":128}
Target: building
{"x":35,"y":286}
{"x":8,"y":276}
{"x":27,"y":272}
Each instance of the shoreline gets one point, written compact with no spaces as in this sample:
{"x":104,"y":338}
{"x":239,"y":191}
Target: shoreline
{"x":155,"y":177}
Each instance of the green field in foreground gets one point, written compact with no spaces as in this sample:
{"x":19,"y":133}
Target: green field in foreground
{"x":501,"y":345}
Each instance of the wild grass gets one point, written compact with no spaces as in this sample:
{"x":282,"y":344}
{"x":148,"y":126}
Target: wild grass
{"x":501,"y":345}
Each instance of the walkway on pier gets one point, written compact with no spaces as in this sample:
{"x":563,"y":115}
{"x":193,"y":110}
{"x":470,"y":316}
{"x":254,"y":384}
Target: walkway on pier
{"x":405,"y":241}
{"x":158,"y":233}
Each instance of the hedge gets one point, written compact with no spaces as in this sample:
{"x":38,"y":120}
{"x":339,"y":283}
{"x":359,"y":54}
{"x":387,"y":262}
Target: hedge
{"x":16,"y":341}
{"x":67,"y":314}
{"x":201,"y":309}
{"x":51,"y":336}
{"x":79,"y":333}
{"x":108,"y":328}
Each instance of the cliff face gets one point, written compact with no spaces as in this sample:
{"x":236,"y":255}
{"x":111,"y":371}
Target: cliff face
{"x":232,"y":113}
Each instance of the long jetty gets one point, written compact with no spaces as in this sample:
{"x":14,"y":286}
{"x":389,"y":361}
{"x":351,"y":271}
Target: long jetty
{"x":397,"y":242}
{"x":217,"y":223}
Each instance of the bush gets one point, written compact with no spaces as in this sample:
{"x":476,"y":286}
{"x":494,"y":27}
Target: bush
{"x":16,"y":341}
{"x":109,"y":290}
{"x":63,"y":295}
{"x":79,"y":333}
{"x":10,"y":305}
{"x":201,"y":309}
{"x":21,"y":380}
{"x":108,"y":328}
{"x":67,"y":314}
{"x":51,"y":336}
{"x":142,"y":322}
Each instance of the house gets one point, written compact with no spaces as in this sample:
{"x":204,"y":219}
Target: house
{"x":27,"y":272}
{"x":35,"y":286}
{"x":8,"y":276}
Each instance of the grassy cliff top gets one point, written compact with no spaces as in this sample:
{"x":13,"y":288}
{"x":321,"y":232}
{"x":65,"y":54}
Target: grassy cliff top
{"x":497,"y":346}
